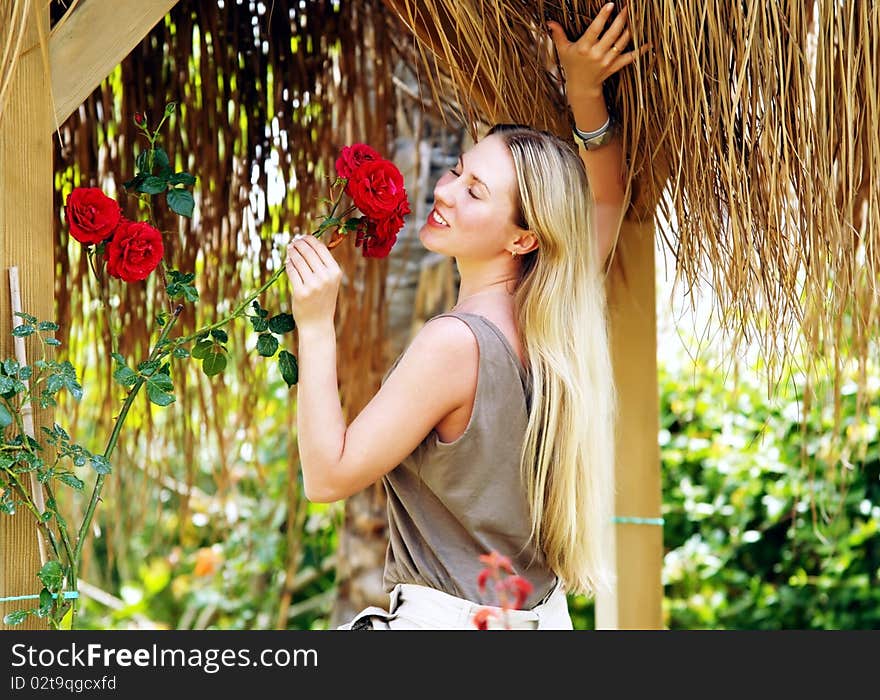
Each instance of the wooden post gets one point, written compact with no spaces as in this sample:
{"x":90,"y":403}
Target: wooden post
{"x":27,"y":241}
{"x":637,"y":600}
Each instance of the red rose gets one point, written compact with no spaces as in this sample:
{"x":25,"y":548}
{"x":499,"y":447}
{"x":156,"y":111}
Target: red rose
{"x":135,"y":251}
{"x":352,"y":157}
{"x":390,"y":226}
{"x":375,"y":244}
{"x":91,"y":214}
{"x":377,"y":188}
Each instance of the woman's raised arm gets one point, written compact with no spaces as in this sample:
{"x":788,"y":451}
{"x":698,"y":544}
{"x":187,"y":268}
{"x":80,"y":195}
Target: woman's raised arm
{"x":586,"y":63}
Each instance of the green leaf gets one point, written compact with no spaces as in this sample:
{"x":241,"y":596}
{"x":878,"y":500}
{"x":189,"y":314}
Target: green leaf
{"x":51,"y":575}
{"x":160,"y":160}
{"x":148,"y":367}
{"x":261,"y":312}
{"x":11,"y":367}
{"x":46,"y":601}
{"x":71,"y":480}
{"x":158,"y":387}
{"x":119,"y":358}
{"x":23,"y":331}
{"x":351,"y":224}
{"x":6,"y":384}
{"x":26,"y":317}
{"x":101,"y":464}
{"x":202,"y":348}
{"x":180,"y":353}
{"x":68,"y":376}
{"x":287,"y":365}
{"x":162,"y":318}
{"x":282,"y":323}
{"x":135,"y":182}
{"x":125,"y":376}
{"x":5,"y":417}
{"x":267,"y":344}
{"x":260,"y":324}
{"x":153,"y":185}
{"x":181,"y":202}
{"x":16,"y":617}
{"x":141,"y":161}
{"x":182,"y":179}
{"x":53,"y":341}
{"x":220,"y":335}
{"x":214,"y":363}
{"x":47,"y":326}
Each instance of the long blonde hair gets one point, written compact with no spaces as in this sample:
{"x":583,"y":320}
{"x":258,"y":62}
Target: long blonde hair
{"x":567,"y":460}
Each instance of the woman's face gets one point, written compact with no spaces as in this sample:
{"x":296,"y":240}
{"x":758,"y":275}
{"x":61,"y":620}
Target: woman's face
{"x":474,"y":205}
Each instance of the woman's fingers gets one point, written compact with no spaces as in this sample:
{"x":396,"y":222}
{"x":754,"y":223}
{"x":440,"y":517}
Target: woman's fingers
{"x":591,"y":36}
{"x":294,"y":259}
{"x":609,"y":40}
{"x":622,"y":41}
{"x":308,"y":254}
{"x":557,"y":33}
{"x":323,"y":254}
{"x":630,"y":57}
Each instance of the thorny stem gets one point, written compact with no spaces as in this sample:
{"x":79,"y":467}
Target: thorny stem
{"x":111,"y":445}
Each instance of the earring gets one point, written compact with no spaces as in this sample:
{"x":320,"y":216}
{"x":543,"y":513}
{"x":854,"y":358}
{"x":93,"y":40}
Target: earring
{"x":512,"y":253}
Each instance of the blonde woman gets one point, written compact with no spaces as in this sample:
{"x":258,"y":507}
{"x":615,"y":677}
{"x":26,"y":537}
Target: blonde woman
{"x":493,"y":430}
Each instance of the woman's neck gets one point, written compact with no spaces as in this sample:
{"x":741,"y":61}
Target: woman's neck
{"x":467,"y":300}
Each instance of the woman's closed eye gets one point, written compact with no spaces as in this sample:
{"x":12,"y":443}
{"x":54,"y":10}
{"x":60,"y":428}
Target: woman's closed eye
{"x":469,"y":189}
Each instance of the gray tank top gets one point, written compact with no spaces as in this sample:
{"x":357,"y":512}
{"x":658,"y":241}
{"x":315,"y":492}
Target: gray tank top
{"x":448,"y":503}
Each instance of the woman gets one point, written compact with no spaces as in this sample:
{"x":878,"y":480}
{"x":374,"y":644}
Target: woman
{"x":493,"y":430}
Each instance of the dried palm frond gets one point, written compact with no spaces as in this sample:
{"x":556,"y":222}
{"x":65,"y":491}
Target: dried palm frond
{"x":751,"y":130}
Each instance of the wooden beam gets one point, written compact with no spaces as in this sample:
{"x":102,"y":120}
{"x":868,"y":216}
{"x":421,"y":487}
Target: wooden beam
{"x":638,"y":547}
{"x":91,"y":40}
{"x":26,"y":241}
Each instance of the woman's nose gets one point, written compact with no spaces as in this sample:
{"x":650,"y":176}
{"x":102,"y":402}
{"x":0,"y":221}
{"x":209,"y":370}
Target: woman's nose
{"x":443,"y":192}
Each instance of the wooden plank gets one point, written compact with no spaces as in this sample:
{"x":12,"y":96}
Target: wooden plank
{"x":91,"y":40}
{"x":26,"y":241}
{"x":638,"y":548}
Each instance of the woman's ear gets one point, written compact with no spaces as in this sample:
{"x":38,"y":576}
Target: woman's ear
{"x":526,"y":243}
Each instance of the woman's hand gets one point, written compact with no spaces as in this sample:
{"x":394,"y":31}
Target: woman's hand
{"x":595,"y":56}
{"x":314,"y":279}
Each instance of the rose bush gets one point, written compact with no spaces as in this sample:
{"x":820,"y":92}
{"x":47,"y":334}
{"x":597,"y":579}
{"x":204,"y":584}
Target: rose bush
{"x":132,"y":250}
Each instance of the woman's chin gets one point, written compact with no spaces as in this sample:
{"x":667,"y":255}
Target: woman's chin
{"x":426,"y":239}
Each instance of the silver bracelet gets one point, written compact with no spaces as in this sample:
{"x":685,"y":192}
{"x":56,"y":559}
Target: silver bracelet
{"x":592,"y":140}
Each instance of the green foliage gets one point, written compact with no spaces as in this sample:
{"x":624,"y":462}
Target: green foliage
{"x":753,"y":538}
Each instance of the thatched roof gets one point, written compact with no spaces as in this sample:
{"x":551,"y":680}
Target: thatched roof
{"x":755,"y":127}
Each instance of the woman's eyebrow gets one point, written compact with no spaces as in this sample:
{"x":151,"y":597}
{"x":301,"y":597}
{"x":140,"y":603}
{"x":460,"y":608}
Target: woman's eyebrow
{"x":461,"y":160}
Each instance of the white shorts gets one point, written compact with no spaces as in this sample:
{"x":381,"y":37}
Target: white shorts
{"x":415,"y":607}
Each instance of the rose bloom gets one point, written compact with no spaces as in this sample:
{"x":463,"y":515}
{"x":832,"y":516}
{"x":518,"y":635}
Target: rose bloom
{"x":375,"y":245}
{"x":135,"y":251}
{"x":91,"y":214}
{"x":377,"y":189}
{"x":352,"y":157}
